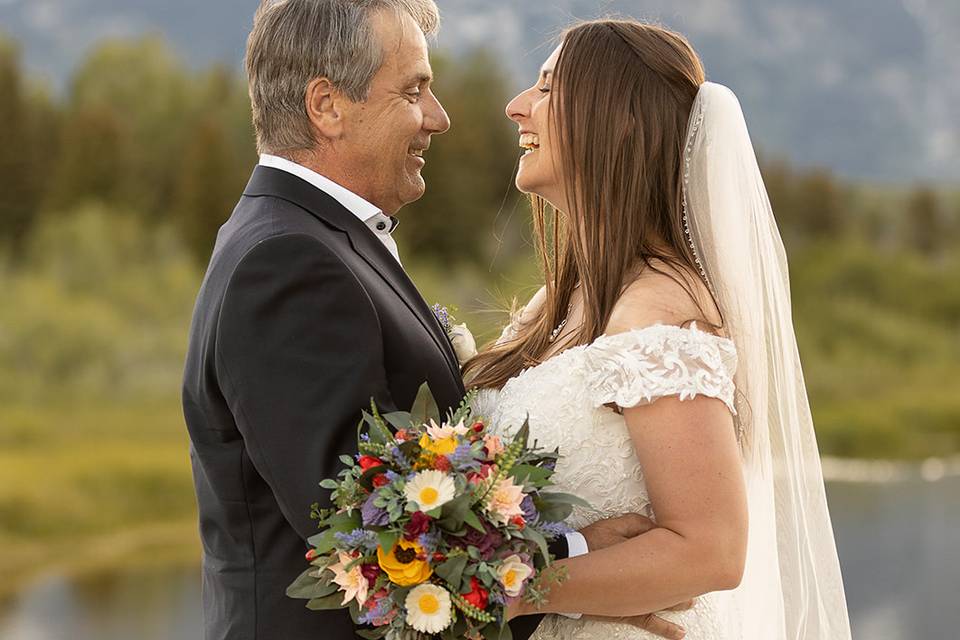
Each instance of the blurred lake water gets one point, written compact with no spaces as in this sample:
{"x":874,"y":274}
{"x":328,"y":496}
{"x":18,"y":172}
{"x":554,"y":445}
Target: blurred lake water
{"x":899,"y":545}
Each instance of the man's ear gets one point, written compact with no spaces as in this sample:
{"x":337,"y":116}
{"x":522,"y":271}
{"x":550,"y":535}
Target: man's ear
{"x":326,"y":108}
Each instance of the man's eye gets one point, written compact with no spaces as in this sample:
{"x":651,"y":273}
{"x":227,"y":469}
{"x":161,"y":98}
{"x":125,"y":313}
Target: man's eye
{"x":413,"y":95}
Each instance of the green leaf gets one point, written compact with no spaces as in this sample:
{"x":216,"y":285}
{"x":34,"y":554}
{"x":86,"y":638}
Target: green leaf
{"x":399,"y":419}
{"x":455,"y":512}
{"x":387,"y":539}
{"x":323,"y":543}
{"x":471,"y":519}
{"x":399,"y":594}
{"x":347,"y":460}
{"x":535,"y":536}
{"x":537,"y":476}
{"x":505,"y":632}
{"x":424,"y":406}
{"x":333,"y":601}
{"x":307,"y":586}
{"x":330,"y":483}
{"x":452,"y":570}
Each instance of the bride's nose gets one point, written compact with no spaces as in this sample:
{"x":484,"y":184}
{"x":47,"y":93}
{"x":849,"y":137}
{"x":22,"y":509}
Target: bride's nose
{"x":518,"y":108}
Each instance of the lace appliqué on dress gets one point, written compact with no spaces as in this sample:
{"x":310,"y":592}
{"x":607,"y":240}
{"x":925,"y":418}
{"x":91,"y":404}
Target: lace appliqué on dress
{"x":643,"y":365}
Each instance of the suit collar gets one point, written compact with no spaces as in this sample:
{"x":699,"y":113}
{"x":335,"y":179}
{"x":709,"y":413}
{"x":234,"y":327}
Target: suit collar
{"x":268,"y":181}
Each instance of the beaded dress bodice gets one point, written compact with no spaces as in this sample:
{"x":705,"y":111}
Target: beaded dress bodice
{"x":567,"y":399}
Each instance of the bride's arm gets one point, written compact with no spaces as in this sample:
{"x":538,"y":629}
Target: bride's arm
{"x":691,"y":464}
{"x":692,"y":468}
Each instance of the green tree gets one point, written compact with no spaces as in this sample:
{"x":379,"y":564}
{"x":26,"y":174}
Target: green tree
{"x":123,"y":127}
{"x":927,"y":230}
{"x":469,"y":171}
{"x":218,"y":156}
{"x":17,"y":197}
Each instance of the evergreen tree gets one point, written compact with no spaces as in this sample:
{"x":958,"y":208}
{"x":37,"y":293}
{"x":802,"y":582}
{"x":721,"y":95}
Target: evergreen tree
{"x":17,"y":200}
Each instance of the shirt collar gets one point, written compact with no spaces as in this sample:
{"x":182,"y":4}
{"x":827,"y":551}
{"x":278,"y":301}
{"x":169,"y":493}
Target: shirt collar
{"x":359,"y":207}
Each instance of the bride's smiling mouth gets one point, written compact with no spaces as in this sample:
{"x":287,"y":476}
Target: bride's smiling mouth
{"x":529,"y":141}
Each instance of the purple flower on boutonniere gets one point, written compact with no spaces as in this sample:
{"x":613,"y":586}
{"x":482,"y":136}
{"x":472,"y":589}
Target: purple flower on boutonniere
{"x":443,"y":317}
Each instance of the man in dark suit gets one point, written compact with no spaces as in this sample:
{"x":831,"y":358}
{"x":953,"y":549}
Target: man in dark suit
{"x":305,"y":312}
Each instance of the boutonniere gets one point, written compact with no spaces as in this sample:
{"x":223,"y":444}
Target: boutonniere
{"x":464,"y":345}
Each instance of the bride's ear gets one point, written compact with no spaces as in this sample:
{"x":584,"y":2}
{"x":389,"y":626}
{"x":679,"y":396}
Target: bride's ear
{"x":325,"y":108}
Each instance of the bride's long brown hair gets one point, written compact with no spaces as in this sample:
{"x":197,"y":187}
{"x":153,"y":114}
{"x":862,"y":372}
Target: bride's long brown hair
{"x":622,"y":94}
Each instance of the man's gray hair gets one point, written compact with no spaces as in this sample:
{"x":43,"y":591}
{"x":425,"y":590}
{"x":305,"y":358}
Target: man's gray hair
{"x":296,"y":41}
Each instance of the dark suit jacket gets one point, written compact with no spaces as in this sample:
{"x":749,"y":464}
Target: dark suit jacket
{"x":302,"y":318}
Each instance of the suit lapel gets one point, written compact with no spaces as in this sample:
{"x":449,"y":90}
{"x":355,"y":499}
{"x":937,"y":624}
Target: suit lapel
{"x":280,"y":184}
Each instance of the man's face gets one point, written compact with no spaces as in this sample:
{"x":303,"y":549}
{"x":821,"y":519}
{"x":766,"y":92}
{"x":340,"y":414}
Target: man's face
{"x":385,"y":137}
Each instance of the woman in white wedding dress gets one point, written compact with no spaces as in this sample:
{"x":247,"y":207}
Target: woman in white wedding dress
{"x":659,"y":356}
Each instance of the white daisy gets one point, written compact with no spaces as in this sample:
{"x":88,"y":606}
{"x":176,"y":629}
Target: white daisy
{"x":430,"y":489}
{"x":428,"y":608}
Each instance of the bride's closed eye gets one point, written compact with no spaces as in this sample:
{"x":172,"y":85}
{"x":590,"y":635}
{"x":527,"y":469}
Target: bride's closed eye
{"x":544,"y":89}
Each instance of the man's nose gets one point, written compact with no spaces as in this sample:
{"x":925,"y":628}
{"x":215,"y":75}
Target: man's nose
{"x":437,"y":121}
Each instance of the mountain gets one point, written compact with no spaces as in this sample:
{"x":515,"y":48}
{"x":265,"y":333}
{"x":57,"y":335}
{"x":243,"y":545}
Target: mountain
{"x":868,"y":88}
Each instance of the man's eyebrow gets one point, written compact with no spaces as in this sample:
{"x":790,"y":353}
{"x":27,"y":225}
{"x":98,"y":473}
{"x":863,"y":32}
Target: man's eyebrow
{"x":418,"y":78}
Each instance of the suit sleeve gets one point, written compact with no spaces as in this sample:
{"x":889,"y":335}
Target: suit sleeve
{"x":299,"y":355}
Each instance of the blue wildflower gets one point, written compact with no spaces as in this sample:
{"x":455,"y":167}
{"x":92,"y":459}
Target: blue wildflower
{"x":358,"y":539}
{"x":463,"y":459}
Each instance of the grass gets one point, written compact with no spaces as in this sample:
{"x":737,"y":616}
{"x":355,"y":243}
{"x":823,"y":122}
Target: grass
{"x":93,"y":486}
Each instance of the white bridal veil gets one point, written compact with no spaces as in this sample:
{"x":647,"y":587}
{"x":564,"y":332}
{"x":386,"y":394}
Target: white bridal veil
{"x":792,"y":589}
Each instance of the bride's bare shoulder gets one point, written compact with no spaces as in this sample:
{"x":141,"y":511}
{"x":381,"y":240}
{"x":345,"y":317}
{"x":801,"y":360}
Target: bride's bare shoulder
{"x":664,"y":294}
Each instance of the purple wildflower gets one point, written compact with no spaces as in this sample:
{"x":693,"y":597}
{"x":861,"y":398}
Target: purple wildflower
{"x":530,"y":513}
{"x":378,"y":613}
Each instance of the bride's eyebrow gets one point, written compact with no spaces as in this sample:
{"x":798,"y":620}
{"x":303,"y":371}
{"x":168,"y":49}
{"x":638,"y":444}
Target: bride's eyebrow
{"x":545,"y":74}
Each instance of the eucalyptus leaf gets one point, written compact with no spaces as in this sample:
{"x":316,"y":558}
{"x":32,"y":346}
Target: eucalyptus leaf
{"x":333,"y":601}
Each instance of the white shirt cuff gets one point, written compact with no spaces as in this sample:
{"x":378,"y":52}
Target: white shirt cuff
{"x":577,"y":546}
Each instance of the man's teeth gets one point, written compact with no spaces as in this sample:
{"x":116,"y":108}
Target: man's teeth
{"x":530,"y":141}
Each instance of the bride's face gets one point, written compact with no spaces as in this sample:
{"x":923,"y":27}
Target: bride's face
{"x":538,"y":172}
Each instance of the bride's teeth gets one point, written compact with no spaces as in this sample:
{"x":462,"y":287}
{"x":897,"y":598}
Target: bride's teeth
{"x":530,"y":141}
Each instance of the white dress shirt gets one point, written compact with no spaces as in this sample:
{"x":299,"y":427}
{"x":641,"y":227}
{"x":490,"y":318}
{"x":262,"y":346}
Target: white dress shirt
{"x":380,"y":224}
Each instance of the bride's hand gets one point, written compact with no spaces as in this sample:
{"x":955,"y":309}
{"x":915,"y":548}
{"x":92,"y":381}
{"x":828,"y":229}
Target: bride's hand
{"x":654,"y":623}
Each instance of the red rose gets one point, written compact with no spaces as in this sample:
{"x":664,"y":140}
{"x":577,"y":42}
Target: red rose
{"x":438,"y":557}
{"x":312,"y":555}
{"x":379,"y":480}
{"x":419,"y":523}
{"x":519,"y":521}
{"x":369,"y":462}
{"x":401,"y":435}
{"x":442,"y":463}
{"x":478,"y":595}
{"x":477,"y":426}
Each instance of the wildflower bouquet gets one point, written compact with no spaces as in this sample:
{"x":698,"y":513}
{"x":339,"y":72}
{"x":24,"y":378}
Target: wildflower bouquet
{"x":437,"y":528}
